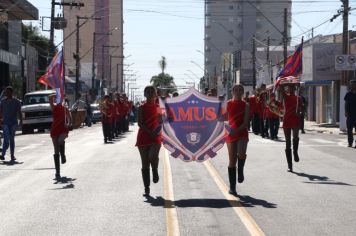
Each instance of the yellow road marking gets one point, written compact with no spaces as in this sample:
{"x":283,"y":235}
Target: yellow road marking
{"x":245,"y":217}
{"x":171,"y":211}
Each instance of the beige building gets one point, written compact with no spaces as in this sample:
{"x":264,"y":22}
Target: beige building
{"x":108,"y":45}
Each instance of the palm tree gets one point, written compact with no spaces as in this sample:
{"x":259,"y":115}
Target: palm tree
{"x":164,"y":80}
{"x":163,"y":64}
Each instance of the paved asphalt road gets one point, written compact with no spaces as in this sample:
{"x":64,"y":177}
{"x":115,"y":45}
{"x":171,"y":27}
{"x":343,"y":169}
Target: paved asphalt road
{"x":102,"y":191}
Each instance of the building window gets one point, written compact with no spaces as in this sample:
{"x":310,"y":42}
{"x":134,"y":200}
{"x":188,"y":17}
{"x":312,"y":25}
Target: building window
{"x":231,"y":7}
{"x":231,"y":43}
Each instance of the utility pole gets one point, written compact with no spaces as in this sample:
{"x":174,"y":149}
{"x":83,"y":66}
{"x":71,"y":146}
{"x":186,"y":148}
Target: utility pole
{"x":253,"y":62}
{"x":53,"y":5}
{"x":285,"y":36}
{"x":77,"y":56}
{"x":345,"y":38}
{"x":51,"y":35}
{"x":117,"y":78}
{"x":93,"y":75}
{"x":267,"y":56}
{"x":269,"y":64}
{"x":102,"y":57}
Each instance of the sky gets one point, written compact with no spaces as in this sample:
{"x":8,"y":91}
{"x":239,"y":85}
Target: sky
{"x":175,"y":29}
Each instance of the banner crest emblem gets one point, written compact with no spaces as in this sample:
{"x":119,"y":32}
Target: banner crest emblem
{"x":191,"y":129}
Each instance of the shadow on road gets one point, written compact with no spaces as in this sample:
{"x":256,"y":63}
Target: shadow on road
{"x":28,"y":169}
{"x":245,"y":201}
{"x":248,"y":201}
{"x":11,"y":163}
{"x":68,"y":183}
{"x":316,"y":179}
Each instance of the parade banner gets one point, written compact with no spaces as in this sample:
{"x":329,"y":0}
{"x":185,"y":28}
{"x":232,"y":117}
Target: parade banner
{"x":191,"y":128}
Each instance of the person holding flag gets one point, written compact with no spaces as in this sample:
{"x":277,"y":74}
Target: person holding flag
{"x":291,"y":120}
{"x":288,"y":82}
{"x":62,"y":120}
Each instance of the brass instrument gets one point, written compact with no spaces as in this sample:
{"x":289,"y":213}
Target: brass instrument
{"x":274,"y":108}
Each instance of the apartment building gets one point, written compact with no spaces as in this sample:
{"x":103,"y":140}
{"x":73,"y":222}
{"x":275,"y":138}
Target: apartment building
{"x":106,"y":24}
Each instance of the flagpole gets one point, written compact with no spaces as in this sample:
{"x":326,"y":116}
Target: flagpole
{"x":64,"y":72}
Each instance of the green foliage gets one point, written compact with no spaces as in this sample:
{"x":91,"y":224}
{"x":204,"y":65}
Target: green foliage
{"x":164,"y":81}
{"x":31,"y":34}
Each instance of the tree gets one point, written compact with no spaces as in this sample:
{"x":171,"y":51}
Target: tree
{"x":163,"y":64}
{"x":164,"y":81}
{"x":31,"y":35}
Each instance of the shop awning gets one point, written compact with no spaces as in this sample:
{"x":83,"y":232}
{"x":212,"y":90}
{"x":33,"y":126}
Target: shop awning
{"x":318,"y":83}
{"x":19,"y":10}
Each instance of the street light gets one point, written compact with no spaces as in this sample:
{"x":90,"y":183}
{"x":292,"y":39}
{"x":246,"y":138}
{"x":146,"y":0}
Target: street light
{"x":197,"y":65}
{"x":199,"y":51}
{"x":194,"y":74}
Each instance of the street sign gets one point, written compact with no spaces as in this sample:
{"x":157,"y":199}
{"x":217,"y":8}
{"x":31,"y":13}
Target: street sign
{"x":345,"y":62}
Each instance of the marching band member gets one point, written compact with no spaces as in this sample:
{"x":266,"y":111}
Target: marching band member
{"x":254,"y":111}
{"x":59,"y":132}
{"x":274,"y":108}
{"x":237,"y":137}
{"x":149,"y":136}
{"x":105,"y":110}
{"x":291,"y":121}
{"x":247,"y":100}
{"x":113,"y":116}
{"x":261,"y":104}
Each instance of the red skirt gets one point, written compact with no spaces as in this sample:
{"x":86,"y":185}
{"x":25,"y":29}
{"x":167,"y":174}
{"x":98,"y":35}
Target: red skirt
{"x":145,"y":139}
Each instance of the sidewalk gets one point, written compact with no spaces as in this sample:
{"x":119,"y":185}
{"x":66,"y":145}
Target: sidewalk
{"x":311,"y":126}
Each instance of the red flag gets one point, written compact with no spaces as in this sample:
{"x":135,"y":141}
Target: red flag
{"x":294,"y":64}
{"x":54,"y":76}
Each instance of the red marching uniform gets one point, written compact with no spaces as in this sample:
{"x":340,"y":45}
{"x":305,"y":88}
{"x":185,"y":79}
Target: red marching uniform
{"x":236,"y":112}
{"x":252,"y":103}
{"x":151,"y":113}
{"x":58,"y":125}
{"x":291,"y":120}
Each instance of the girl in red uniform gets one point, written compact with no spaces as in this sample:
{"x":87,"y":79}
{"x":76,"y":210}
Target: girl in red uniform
{"x":149,"y":136}
{"x":59,"y":132}
{"x":237,"y":136}
{"x":105,"y":110}
{"x":291,"y":121}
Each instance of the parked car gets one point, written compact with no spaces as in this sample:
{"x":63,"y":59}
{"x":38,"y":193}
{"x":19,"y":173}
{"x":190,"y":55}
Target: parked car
{"x":36,"y":111}
{"x":96,"y":114}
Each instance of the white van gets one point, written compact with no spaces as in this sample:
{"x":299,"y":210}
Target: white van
{"x":36,"y":111}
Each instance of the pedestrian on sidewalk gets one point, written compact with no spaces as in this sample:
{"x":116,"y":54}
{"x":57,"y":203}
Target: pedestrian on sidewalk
{"x":350,"y":111}
{"x":291,"y":121}
{"x":61,"y":123}
{"x":149,"y":137}
{"x":238,"y":115}
{"x":10,"y":110}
